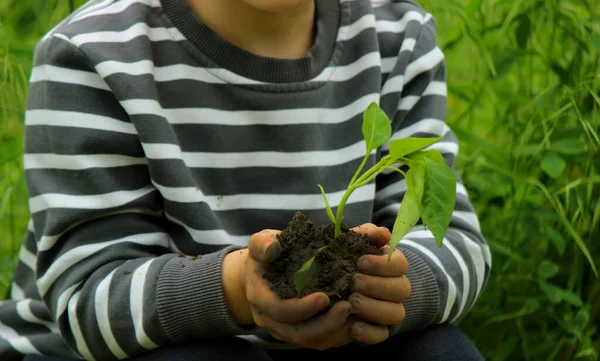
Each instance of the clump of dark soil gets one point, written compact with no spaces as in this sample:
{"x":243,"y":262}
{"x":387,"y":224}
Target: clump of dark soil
{"x":334,"y":267}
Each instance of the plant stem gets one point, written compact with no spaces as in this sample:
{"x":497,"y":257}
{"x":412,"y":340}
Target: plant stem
{"x":362,"y":181}
{"x":382,"y":164}
{"x":397,"y":170}
{"x":357,"y":183}
{"x":353,"y":186}
{"x":371,"y":177}
{"x":340,"y":211}
{"x":360,"y":168}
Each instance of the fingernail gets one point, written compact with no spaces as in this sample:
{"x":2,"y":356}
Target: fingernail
{"x":348,"y":310}
{"x":354,"y":301}
{"x":322,"y":302}
{"x":387,"y":234}
{"x":359,"y":283}
{"x":357,"y":330}
{"x":364,"y":265}
{"x":272,"y":252}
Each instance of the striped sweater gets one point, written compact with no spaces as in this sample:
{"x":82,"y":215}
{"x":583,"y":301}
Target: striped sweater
{"x":148,"y":136}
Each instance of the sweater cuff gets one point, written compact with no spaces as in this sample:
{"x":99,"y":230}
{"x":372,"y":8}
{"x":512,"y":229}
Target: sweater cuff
{"x":190,"y":299}
{"x":423,"y":303}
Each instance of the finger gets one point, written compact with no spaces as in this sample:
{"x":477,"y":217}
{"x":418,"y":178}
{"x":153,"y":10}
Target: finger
{"x":338,"y":338}
{"x":341,"y":337}
{"x":292,"y":310}
{"x":280,"y":337}
{"x":369,"y":333}
{"x":380,"y":266}
{"x":393,"y":289}
{"x":379,"y":236}
{"x":325,"y":331}
{"x":344,"y":336}
{"x":263,"y":246}
{"x":376,"y":311}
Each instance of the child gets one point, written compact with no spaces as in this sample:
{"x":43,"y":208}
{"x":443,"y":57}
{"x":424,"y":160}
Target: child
{"x":157,"y":129}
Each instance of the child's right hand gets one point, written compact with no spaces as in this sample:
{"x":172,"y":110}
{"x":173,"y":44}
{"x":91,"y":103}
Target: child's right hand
{"x":291,"y":320}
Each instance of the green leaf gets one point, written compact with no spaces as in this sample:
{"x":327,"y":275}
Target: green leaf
{"x":579,"y":241}
{"x":596,"y":41}
{"x":506,"y":349}
{"x":415,"y":178}
{"x":439,"y":197}
{"x":523,"y":31}
{"x":327,"y":207}
{"x":551,"y":292}
{"x":495,"y":154}
{"x":432,"y":154}
{"x":407,"y":218}
{"x":556,"y":294}
{"x":301,"y":275}
{"x":532,"y":305}
{"x":529,"y":308}
{"x":491,"y":184}
{"x":505,"y":61}
{"x":557,"y":239}
{"x":553,"y":164}
{"x":4,"y":201}
{"x":401,"y":147}
{"x":499,"y":248}
{"x":571,"y":298}
{"x":581,"y":320}
{"x":529,"y":149}
{"x":588,"y":352}
{"x":547,"y":269}
{"x":376,"y":127}
{"x":482,"y":47}
{"x":9,"y":157}
{"x":473,"y":6}
{"x":569,"y":146}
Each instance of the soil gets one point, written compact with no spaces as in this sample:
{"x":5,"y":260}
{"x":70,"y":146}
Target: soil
{"x":334,"y":267}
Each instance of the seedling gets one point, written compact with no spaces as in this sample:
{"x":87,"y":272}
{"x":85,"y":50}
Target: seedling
{"x":431,"y":184}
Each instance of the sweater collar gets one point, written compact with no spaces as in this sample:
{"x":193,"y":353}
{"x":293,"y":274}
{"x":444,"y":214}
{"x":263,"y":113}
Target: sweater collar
{"x":256,"y":67}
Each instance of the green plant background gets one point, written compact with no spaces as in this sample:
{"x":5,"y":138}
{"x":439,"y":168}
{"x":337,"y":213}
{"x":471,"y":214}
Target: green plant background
{"x":524,"y":84}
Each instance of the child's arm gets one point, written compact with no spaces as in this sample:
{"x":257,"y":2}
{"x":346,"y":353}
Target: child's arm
{"x":107,"y":267}
{"x":445,"y":281}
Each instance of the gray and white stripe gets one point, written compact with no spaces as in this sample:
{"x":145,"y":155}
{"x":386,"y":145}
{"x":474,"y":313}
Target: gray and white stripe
{"x":138,"y":148}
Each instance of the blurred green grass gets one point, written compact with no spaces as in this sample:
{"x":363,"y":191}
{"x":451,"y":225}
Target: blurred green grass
{"x":524,"y":99}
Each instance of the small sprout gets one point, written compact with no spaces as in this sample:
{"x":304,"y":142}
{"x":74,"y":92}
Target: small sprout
{"x":301,"y":276}
{"x":431,"y":184}
{"x":127,"y":272}
{"x":327,"y":207}
{"x":181,"y":254}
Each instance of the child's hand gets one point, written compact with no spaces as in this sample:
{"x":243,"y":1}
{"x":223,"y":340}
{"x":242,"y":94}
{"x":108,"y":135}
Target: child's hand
{"x":291,"y":320}
{"x":379,"y":289}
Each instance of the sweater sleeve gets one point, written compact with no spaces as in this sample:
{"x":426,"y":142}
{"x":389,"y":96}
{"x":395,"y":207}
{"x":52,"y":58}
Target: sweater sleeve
{"x":446,"y":281}
{"x":106,"y":267}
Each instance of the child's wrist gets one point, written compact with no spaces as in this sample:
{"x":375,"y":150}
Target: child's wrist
{"x":235,"y":297}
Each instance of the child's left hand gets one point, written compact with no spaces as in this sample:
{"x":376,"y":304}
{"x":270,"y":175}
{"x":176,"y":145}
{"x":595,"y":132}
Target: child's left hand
{"x":379,"y":289}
